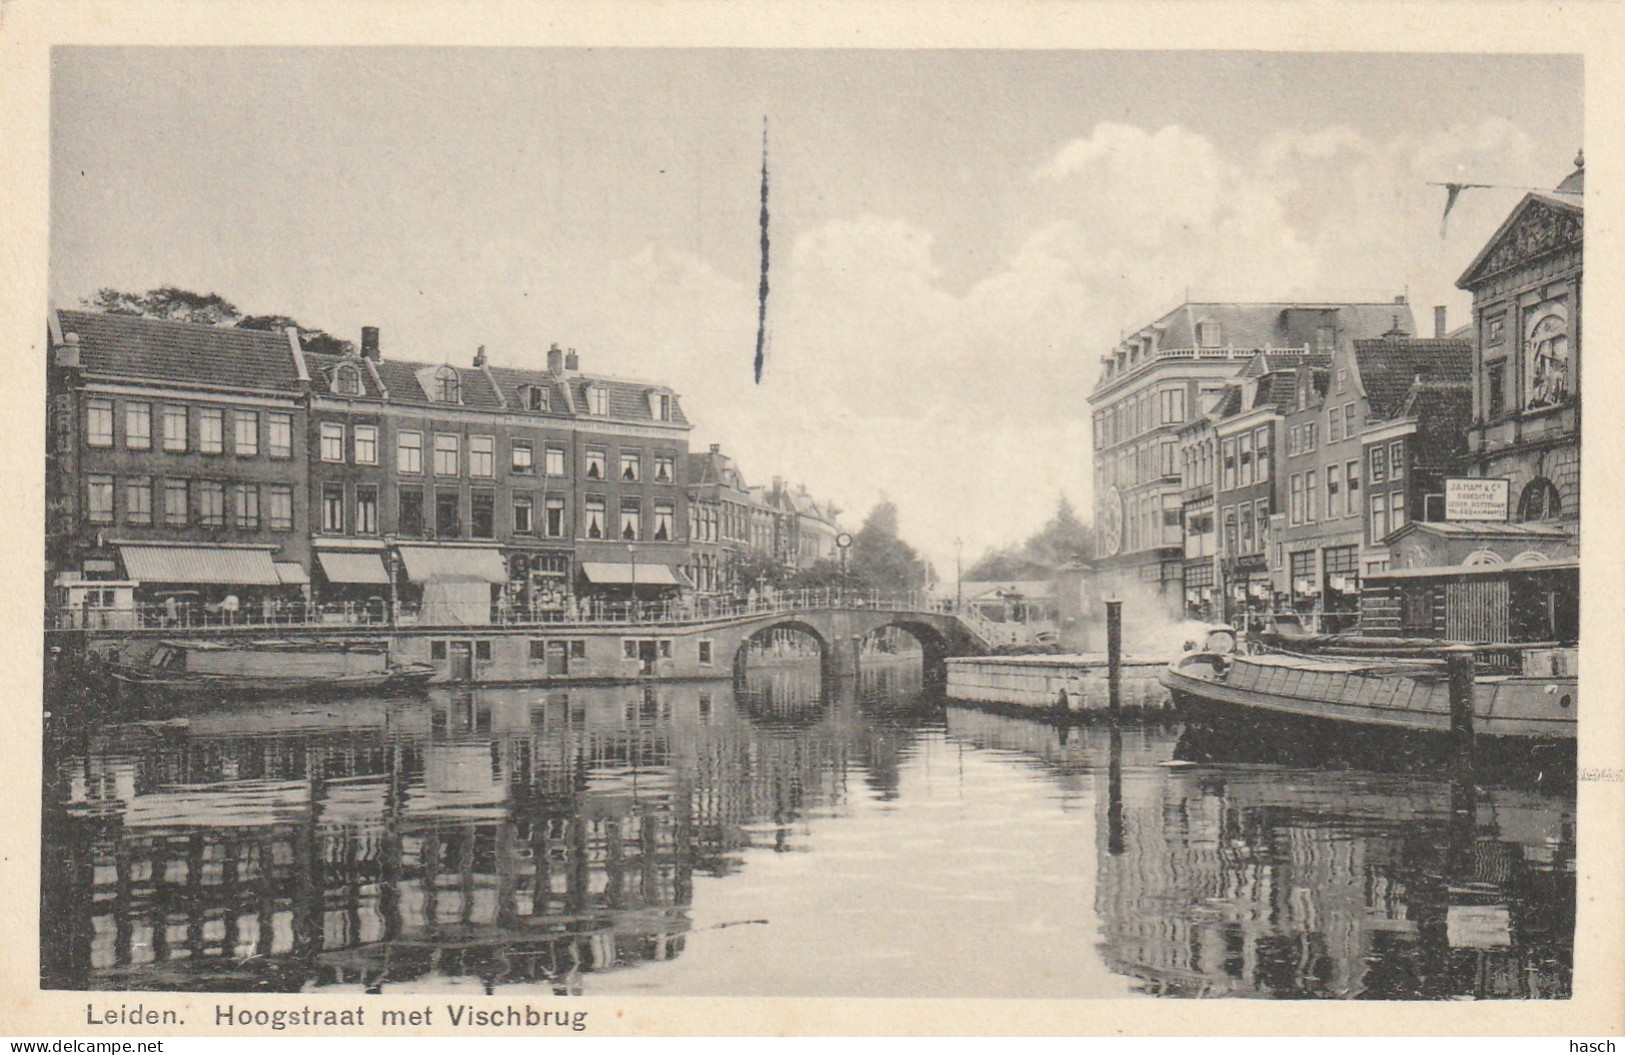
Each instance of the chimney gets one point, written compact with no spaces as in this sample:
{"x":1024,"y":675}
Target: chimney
{"x":572,"y":361}
{"x":1400,"y":299}
{"x":479,"y":357}
{"x":369,"y":343}
{"x":716,"y":448}
{"x":1438,"y":320}
{"x":555,"y":359}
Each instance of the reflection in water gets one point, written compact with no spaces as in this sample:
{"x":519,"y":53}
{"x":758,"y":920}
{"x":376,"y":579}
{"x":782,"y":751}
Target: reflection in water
{"x":773,"y":837}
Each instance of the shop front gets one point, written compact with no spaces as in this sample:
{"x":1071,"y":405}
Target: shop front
{"x":450,"y":585}
{"x":183,"y":584}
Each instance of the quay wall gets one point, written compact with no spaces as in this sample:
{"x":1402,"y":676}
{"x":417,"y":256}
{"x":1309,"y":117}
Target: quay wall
{"x":1039,"y":682}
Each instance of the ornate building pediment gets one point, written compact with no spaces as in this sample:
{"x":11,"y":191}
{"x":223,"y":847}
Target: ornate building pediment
{"x":1538,"y":226}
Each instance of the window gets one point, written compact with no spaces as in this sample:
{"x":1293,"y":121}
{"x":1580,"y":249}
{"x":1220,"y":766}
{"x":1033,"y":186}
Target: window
{"x":333,"y":508}
{"x":595,"y":463}
{"x":1540,"y":500}
{"x":631,"y":466}
{"x":522,"y":459}
{"x":1349,"y":422}
{"x":1495,"y":384}
{"x":555,"y":461}
{"x":1396,"y":459}
{"x":99,"y":425}
{"x":536,"y":397}
{"x":245,"y":433}
{"x":1173,"y":406}
{"x":437,"y":650}
{"x":631,"y":520}
{"x":1379,"y":464}
{"x":175,"y":502}
{"x":138,"y":426}
{"x":629,"y":649}
{"x":538,"y":650}
{"x":665,"y":648}
{"x":279,"y":428}
{"x":99,"y":496}
{"x":1229,"y":465}
{"x":1246,"y":445}
{"x":445,"y":454}
{"x":410,"y":515}
{"x":1310,"y":436}
{"x":280,"y":513}
{"x":211,"y":503}
{"x":482,"y":519}
{"x":138,"y":500}
{"x":1208,"y":335}
{"x":366,"y":444}
{"x":1334,"y":424}
{"x":1302,"y":570}
{"x":578,"y":648}
{"x":524,"y":509}
{"x":245,"y":506}
{"x":1495,"y":330}
{"x":482,"y":649}
{"x":366,"y":510}
{"x":664,"y":517}
{"x":594,"y":508}
{"x":1379,"y":517}
{"x":1310,"y":483}
{"x":332,"y":441}
{"x":662,"y":406}
{"x":409,"y":452}
{"x":665,"y":468}
{"x":598,"y":400}
{"x":1351,"y":474}
{"x":1170,"y":455}
{"x":1548,"y":370}
{"x":705,"y":652}
{"x":448,"y":521}
{"x":1261,"y":510}
{"x":482,"y":458}
{"x":448,"y":388}
{"x":1334,"y":491}
{"x":555,"y":517}
{"x":1230,"y":541}
{"x":347,"y":380}
{"x":1261,"y":441}
{"x":211,"y":430}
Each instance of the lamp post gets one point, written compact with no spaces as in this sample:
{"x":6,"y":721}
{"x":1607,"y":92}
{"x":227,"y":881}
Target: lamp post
{"x":843,"y":542}
{"x":959,"y":574}
{"x":632,"y":552}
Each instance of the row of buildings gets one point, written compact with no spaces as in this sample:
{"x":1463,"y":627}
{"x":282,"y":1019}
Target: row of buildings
{"x":1254,"y":458}
{"x":209,"y":465}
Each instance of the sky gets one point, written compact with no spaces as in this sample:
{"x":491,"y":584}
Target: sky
{"x":957,"y":236}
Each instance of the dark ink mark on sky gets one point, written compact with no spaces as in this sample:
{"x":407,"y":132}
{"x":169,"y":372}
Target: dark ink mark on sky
{"x":761,"y":293}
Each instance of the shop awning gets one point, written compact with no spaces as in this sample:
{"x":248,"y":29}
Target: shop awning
{"x":291,"y":574}
{"x":345,"y":569}
{"x":614,"y":574}
{"x":451,"y":564}
{"x":203,"y":565}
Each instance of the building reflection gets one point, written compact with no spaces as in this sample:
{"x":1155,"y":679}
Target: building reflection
{"x":1234,"y":879}
{"x":480,"y":837}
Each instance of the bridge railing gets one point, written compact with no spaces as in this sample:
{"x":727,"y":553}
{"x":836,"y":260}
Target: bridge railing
{"x":584,"y":612}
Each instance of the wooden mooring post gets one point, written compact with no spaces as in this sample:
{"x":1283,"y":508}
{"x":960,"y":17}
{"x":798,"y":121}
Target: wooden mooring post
{"x":1114,"y":655}
{"x":1461,"y":664}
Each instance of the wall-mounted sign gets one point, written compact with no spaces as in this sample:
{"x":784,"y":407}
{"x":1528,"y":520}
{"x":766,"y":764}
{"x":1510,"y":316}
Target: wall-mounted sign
{"x":1476,"y":499}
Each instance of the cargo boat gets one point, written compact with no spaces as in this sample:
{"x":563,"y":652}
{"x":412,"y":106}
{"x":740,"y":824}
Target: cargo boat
{"x":1400,"y":693}
{"x":272,"y":668}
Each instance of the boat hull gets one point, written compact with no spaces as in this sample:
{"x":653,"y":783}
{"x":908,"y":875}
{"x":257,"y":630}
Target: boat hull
{"x":251,"y":686}
{"x":1357,"y":695}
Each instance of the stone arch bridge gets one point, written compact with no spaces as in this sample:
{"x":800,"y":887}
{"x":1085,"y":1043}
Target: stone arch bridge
{"x":840,"y":631}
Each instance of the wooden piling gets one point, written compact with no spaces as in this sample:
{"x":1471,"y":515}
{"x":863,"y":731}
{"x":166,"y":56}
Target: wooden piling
{"x":1114,"y":655}
{"x":1460,"y":663}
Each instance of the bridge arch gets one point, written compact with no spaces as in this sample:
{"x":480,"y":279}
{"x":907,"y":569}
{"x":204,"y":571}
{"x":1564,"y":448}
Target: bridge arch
{"x":934,"y":645}
{"x":825,"y":652}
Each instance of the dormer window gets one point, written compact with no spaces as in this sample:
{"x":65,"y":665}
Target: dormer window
{"x":534,"y":397}
{"x":1208,"y":335}
{"x":347,"y":379}
{"x":598,"y":401}
{"x":448,"y":387}
{"x":659,"y":404}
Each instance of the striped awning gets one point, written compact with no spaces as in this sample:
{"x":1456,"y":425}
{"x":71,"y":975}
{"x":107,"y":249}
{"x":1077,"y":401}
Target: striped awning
{"x":453,"y":563}
{"x":292,"y":574}
{"x":605,"y":573}
{"x":202,"y":565}
{"x":364,"y":569}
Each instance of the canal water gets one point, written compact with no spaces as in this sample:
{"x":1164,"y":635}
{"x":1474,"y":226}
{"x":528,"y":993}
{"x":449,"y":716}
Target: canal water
{"x":774,"y":839}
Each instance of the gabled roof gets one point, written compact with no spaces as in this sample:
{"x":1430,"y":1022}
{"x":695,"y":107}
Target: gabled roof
{"x":1390,"y":365}
{"x":181,"y":353}
{"x":1272,"y":324}
{"x":1541,"y":223}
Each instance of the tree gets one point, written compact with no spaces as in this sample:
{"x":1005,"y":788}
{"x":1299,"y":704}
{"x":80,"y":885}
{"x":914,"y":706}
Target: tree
{"x":1064,"y":539}
{"x":210,"y":309}
{"x":880,"y":560}
{"x":820,"y":575}
{"x":757,"y":570}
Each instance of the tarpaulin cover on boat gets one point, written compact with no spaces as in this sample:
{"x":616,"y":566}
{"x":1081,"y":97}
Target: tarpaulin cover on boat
{"x":353,"y":568}
{"x":448,"y":563}
{"x":455,"y":602}
{"x":608,"y":574}
{"x":213,"y":565}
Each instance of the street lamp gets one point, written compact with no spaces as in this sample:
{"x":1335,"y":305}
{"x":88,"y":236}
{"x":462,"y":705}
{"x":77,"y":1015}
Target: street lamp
{"x":959,"y":574}
{"x":843,"y":542}
{"x":632,"y":552}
